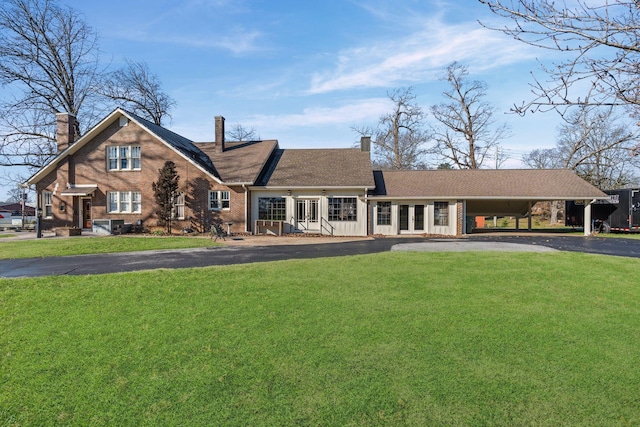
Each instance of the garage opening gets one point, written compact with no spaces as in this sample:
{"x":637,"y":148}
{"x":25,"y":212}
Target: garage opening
{"x":542,"y":216}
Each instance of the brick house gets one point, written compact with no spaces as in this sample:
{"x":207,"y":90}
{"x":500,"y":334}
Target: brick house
{"x":256,"y":187}
{"x":107,"y":174}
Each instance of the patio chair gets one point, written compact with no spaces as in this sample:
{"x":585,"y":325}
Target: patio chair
{"x":217,"y":231}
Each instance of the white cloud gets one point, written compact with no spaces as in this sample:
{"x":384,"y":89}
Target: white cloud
{"x":419,"y":57}
{"x":364,"y":110}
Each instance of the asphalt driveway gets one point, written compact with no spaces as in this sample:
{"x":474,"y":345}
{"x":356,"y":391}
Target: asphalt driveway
{"x":227,"y":255}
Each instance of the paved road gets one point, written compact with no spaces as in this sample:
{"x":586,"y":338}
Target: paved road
{"x":201,"y":257}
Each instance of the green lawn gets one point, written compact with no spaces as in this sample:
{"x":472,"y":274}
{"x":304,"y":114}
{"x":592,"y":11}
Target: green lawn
{"x":96,"y":245}
{"x":388,"y":339}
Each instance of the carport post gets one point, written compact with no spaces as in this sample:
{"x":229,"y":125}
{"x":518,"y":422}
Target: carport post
{"x":529,"y":216}
{"x":587,"y":217}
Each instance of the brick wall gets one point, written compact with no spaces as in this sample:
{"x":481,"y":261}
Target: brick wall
{"x":89,"y":166}
{"x":460,"y":217}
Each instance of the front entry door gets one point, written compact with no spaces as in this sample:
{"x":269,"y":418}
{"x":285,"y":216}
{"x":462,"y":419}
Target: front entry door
{"x":307,"y":214}
{"x":411,"y":219}
{"x":86,"y":213}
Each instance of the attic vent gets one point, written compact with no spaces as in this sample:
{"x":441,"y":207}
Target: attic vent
{"x":123,"y":121}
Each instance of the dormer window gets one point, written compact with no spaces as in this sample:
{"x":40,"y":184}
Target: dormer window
{"x":123,"y":158}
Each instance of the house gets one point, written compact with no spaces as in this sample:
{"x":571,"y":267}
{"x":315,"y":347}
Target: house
{"x":257,"y":187}
{"x":107,"y":175}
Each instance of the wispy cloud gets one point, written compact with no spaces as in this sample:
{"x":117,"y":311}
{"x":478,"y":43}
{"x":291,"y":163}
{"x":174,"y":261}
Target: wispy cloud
{"x":202,"y":24}
{"x":419,"y":56}
{"x":353,"y":113}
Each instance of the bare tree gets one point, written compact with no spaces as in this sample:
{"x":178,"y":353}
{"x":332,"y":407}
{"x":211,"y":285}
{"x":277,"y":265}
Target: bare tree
{"x":599,"y":41}
{"x":597,"y":145}
{"x":48,"y":64}
{"x":16,"y":195}
{"x":399,"y":138}
{"x":137,"y":89}
{"x":466,"y":134}
{"x":239,"y":133}
{"x":543,"y":158}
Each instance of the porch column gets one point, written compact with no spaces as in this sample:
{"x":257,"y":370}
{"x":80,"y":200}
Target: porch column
{"x":587,"y":217}
{"x":529,"y":216}
{"x":517,"y":222}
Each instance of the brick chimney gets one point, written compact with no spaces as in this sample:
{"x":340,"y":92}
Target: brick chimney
{"x":219,"y":142}
{"x":365,"y":143}
{"x":65,"y":131}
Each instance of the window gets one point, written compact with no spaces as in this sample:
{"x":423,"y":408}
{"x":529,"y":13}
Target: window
{"x":125,"y":201}
{"x":47,"y":203}
{"x":272,"y":208}
{"x":219,"y":200}
{"x":136,"y":201}
{"x":123,"y":158}
{"x":384,"y":213}
{"x":441,"y":213}
{"x":135,"y":157}
{"x":178,"y":206}
{"x":342,"y":209}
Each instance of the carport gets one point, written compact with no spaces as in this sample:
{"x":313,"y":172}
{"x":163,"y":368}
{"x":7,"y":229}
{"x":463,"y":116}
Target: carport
{"x":514,"y":192}
{"x":489,"y":192}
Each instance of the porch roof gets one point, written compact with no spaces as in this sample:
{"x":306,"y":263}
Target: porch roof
{"x":79,"y":191}
{"x":489,"y":184}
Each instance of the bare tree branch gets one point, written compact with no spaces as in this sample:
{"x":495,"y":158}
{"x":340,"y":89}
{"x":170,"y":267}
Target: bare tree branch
{"x":600,"y":43}
{"x":399,"y":139}
{"x":135,"y":88}
{"x":467,"y":135}
{"x":49,"y":61}
{"x":239,"y":133}
{"x":597,"y":145}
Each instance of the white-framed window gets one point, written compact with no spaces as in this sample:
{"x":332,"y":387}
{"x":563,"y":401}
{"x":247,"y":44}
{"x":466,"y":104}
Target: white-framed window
{"x":47,"y":204}
{"x":124,"y":201}
{"x":441,"y":213}
{"x":343,"y":208}
{"x":178,"y":206}
{"x":219,"y":200}
{"x":272,"y":208}
{"x":124,"y":157}
{"x":384,"y":213}
{"x":136,"y":201}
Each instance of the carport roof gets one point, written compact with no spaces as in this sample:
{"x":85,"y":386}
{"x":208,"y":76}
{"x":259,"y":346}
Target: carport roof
{"x":493,"y":184}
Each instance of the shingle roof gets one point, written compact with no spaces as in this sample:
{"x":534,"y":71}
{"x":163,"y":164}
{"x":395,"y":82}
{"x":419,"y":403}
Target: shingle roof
{"x":240,"y":162}
{"x":341,"y":167}
{"x":179,"y":142}
{"x":541,"y":184}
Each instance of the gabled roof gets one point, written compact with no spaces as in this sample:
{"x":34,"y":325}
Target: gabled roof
{"x":183,"y":146}
{"x":320,"y":168}
{"x":178,"y":142}
{"x":531,"y":184}
{"x":240,"y":162}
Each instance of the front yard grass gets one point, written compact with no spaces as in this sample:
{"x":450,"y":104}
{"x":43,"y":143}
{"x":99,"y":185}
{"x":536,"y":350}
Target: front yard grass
{"x":96,"y":245}
{"x":501,"y":339}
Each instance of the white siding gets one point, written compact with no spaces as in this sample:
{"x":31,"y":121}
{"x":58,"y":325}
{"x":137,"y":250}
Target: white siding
{"x":429,"y":225}
{"x":337,"y":228}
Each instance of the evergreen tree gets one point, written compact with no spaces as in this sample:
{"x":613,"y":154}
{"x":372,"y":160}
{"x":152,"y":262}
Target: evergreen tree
{"x":165,"y":190}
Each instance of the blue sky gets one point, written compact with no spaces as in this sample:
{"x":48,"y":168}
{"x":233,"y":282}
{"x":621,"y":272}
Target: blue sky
{"x":305,"y":72}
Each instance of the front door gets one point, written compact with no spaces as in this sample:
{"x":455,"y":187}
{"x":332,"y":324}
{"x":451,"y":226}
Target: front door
{"x":411,"y":218}
{"x":86,"y":213}
{"x":307,"y":214}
